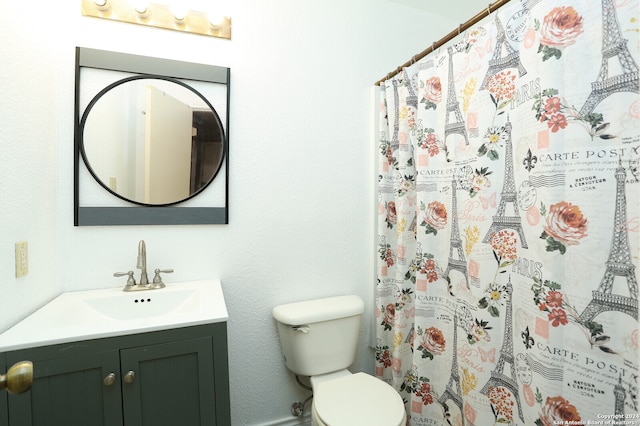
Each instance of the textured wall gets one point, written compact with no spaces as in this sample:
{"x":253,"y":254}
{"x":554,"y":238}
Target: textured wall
{"x":301,"y":167}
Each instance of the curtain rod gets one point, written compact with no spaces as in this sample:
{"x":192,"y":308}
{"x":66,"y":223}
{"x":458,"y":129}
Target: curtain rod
{"x":463,"y":27}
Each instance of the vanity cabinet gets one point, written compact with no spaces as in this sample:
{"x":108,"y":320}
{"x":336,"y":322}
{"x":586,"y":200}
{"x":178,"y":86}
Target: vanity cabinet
{"x":169,"y":377}
{"x":4,"y":419}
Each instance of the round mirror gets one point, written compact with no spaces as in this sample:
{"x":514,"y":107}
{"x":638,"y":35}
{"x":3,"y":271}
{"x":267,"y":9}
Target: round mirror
{"x":152,"y":140}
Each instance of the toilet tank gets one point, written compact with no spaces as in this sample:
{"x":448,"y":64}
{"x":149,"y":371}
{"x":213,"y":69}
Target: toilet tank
{"x":319,"y":336}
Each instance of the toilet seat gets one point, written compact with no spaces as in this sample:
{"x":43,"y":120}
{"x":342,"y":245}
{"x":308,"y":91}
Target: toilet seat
{"x":357,"y":399}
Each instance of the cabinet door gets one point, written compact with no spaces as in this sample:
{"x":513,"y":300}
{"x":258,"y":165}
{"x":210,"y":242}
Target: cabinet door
{"x":173,"y":384}
{"x":4,"y":410}
{"x":70,"y":392}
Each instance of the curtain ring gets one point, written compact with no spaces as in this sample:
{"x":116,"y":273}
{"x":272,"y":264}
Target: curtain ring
{"x":459,"y":26}
{"x":433,"y":47}
{"x":489,"y":10}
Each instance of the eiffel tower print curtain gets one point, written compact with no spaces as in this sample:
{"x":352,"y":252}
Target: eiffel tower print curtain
{"x":509,"y":220}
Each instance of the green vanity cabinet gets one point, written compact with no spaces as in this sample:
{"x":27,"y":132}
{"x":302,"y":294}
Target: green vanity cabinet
{"x":4,"y":418}
{"x":69,"y":391}
{"x":172,"y":384}
{"x":169,"y":377}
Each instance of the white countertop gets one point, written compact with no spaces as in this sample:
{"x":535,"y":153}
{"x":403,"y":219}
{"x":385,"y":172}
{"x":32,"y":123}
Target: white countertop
{"x":93,"y":314}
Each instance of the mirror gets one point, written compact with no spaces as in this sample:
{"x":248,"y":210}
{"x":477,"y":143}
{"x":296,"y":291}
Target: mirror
{"x":151,"y":140}
{"x":151,"y":134}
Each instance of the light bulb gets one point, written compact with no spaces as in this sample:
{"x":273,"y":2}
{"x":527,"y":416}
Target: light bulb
{"x":140,"y":6}
{"x":215,"y":19}
{"x":179,"y":12}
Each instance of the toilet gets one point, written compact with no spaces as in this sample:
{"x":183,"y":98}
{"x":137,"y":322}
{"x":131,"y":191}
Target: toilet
{"x":319,"y":339}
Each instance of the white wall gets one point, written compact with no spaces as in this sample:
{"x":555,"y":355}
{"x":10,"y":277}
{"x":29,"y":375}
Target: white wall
{"x":301,"y":149}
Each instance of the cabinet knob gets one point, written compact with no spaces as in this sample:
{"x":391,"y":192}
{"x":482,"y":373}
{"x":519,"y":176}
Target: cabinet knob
{"x":129,"y":377}
{"x":19,"y":378}
{"x":110,"y":379}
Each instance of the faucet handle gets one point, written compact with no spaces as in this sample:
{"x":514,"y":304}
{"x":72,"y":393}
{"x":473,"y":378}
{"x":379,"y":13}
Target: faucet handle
{"x":130,"y":281}
{"x":157,"y":279}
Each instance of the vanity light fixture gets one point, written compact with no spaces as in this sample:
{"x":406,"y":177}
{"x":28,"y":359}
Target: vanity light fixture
{"x":159,"y":16}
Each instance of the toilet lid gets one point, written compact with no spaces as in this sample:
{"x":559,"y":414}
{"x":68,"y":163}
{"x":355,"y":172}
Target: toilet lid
{"x":358,"y":399}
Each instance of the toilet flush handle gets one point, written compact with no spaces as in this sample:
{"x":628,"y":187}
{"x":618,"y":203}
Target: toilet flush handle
{"x":301,"y":328}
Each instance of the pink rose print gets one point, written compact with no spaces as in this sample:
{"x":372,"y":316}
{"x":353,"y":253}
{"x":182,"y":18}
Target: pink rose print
{"x":560,"y":28}
{"x":433,"y":342}
{"x":432,"y":94}
{"x":389,"y":318}
{"x":435,"y":217}
{"x":558,"y":411}
{"x":392,"y":217}
{"x":433,"y":89}
{"x":565,"y":225}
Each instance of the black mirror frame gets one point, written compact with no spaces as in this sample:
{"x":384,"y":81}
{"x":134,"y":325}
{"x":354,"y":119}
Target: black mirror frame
{"x":137,"y":214}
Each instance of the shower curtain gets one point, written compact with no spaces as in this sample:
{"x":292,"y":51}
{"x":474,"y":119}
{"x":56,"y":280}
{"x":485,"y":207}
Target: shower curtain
{"x":509,"y":220}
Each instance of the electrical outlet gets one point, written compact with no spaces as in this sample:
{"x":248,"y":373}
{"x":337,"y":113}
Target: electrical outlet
{"x":22,"y":259}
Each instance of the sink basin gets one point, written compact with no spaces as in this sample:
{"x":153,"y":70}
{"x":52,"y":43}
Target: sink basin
{"x":109,"y":312}
{"x":127,"y":306}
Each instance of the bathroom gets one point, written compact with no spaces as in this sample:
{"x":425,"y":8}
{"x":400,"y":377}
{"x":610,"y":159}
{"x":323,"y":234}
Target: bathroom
{"x":269,"y":256}
{"x":301,"y":197}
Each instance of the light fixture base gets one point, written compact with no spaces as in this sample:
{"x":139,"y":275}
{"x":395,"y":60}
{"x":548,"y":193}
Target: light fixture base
{"x":159,"y":16}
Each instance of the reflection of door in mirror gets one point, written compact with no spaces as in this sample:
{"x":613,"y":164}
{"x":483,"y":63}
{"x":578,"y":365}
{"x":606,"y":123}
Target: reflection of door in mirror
{"x":206,"y":148}
{"x":168,"y":158}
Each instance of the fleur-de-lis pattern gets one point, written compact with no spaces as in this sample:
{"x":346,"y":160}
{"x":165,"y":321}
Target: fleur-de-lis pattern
{"x":550,"y":149}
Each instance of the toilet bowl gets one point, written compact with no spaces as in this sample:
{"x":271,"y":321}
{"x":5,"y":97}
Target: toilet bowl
{"x":319,"y":339}
{"x":355,"y":399}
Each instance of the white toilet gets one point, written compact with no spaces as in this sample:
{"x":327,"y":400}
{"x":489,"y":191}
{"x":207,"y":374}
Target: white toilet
{"x":319,"y":339}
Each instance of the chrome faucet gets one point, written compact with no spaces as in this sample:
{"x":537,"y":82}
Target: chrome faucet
{"x":144,"y":279}
{"x":142,"y":263}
